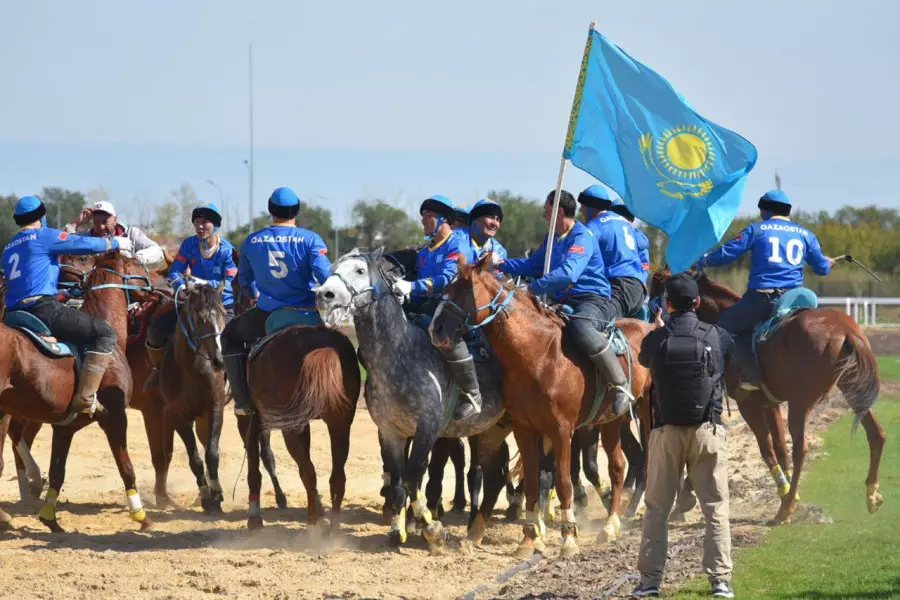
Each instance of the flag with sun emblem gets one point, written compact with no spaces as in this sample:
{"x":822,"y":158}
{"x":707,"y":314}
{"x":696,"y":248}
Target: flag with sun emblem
{"x":674,"y":169}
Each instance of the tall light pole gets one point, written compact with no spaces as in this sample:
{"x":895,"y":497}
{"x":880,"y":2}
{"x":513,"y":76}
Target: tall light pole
{"x":221,"y":195}
{"x":250,"y":163}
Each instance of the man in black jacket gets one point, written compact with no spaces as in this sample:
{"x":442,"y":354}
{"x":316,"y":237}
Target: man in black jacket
{"x":687,"y":360}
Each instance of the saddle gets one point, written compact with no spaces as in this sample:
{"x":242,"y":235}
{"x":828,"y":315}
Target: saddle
{"x":284,"y":318}
{"x":39,"y":333}
{"x":790,"y":304}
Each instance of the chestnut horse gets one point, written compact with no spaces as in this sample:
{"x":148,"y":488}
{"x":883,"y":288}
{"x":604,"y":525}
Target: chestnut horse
{"x":549,"y":388}
{"x":811,"y":352}
{"x":37,"y":388}
{"x":300,"y":374}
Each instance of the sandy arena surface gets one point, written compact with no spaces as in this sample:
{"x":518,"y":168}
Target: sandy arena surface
{"x":188,"y":555}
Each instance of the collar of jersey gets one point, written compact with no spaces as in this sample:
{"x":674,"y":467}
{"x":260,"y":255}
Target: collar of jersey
{"x":781,"y":217}
{"x":441,"y":243}
{"x":560,"y":237}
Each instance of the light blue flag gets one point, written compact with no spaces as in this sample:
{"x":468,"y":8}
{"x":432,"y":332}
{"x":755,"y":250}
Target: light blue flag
{"x":674,"y":169}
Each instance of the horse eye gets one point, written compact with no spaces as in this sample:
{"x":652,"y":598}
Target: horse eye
{"x":360,"y":271}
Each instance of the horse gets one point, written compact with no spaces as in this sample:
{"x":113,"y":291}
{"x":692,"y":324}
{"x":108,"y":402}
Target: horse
{"x":548,"y":388}
{"x":410,"y":392}
{"x":192,"y":381}
{"x":830,"y":350}
{"x":38,"y":388}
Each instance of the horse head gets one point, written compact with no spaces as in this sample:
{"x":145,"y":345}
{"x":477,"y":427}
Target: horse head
{"x":357,"y":280}
{"x":201,"y":317}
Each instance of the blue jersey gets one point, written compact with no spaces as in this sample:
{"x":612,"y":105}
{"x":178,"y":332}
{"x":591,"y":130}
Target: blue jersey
{"x":473,"y":251}
{"x":643,"y":246}
{"x":218,"y":267}
{"x":436,"y":265}
{"x":779,"y":248}
{"x":285,"y":262}
{"x":576,"y":266}
{"x":618,"y":245}
{"x":31,"y":261}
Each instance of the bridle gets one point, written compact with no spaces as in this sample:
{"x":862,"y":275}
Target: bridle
{"x":495,"y":306}
{"x":187,"y":325}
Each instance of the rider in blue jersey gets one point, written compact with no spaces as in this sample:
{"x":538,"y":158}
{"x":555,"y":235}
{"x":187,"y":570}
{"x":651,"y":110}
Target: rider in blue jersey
{"x":211,"y":261}
{"x":436,"y":267}
{"x":486,"y":217}
{"x":461,"y":219}
{"x":577,"y":277}
{"x":778,"y":248}
{"x":618,"y":245}
{"x":285,"y":262}
{"x":31,"y":263}
{"x":643,"y":244}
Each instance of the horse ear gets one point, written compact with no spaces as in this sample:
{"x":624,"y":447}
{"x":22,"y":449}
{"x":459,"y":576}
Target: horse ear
{"x":377,"y":254}
{"x":461,"y":259}
{"x":484,"y":263}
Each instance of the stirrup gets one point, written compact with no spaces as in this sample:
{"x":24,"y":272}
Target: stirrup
{"x":624,"y":389}
{"x":92,"y":408}
{"x":750,"y":387}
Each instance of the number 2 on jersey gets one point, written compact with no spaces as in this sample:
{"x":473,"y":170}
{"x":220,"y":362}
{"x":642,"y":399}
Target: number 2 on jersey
{"x":793,"y":249}
{"x":14,"y":271}
{"x":277,"y":267}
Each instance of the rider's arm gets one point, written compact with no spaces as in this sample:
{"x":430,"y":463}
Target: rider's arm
{"x":648,"y":348}
{"x":643,"y":247}
{"x":63,"y":242}
{"x":531,"y":266}
{"x":230,"y":269}
{"x":317,"y":255}
{"x":245,"y":273}
{"x":816,"y":259}
{"x":447,"y":273}
{"x":145,"y":250}
{"x":575,"y":261}
{"x":726,"y":343}
{"x":731,"y":251}
{"x":179,"y":264}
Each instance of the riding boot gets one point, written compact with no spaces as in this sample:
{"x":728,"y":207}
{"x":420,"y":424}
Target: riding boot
{"x":236,"y":369}
{"x":607,"y":364}
{"x":750,"y":376}
{"x":92,"y":370}
{"x":156,"y":357}
{"x":469,"y":401}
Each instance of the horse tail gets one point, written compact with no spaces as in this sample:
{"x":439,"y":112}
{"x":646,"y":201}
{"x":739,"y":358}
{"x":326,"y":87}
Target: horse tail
{"x":517,"y":473}
{"x":319,"y":390}
{"x":858,"y":375}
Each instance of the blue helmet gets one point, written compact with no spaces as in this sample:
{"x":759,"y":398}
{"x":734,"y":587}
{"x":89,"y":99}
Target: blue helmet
{"x":776,"y":202}
{"x":284,"y":203}
{"x":618,"y":207}
{"x":484,"y":208}
{"x":461,"y":213}
{"x":441,"y":205}
{"x":28,"y":210}
{"x":596,"y":196}
{"x":208,"y":211}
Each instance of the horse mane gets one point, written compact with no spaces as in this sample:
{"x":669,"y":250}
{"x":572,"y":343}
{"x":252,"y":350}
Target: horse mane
{"x":488,"y":276}
{"x":208,"y":298}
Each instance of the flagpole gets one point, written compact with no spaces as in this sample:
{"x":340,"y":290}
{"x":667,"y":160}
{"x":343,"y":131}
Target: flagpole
{"x":573,"y":121}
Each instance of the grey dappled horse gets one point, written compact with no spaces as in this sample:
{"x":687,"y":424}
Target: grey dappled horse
{"x":409,"y":391}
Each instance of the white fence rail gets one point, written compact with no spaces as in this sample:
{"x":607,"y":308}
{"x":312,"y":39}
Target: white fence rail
{"x":863,"y":310}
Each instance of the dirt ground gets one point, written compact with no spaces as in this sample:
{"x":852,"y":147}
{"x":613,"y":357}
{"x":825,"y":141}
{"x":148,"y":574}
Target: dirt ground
{"x":188,"y":555}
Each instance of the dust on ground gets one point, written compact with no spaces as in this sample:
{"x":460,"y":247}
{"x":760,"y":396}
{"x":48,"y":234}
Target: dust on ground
{"x":188,"y":555}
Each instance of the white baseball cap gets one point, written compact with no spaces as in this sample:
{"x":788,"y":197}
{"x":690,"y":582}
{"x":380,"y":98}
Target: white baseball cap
{"x":106,"y":207}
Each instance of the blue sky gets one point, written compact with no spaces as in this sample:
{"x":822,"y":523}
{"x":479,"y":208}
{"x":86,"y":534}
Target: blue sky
{"x":400,"y":100}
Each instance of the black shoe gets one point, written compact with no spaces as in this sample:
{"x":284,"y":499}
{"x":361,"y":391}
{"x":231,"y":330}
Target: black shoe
{"x":464,"y":409}
{"x":645,"y":591}
{"x":721,"y":589}
{"x":620,"y":401}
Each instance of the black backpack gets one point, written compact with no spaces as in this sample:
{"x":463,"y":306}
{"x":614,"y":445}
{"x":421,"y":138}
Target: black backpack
{"x":685,"y":380}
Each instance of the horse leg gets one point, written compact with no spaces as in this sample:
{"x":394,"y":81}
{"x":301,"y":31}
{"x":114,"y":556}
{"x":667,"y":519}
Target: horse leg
{"x":161,"y":439}
{"x":268,"y":461}
{"x":298,"y":444}
{"x":251,"y":425}
{"x":458,"y":456}
{"x":876,"y":436}
{"x":475,"y":478}
{"x":28,"y":473}
{"x":562,"y":449}
{"x":59,"y":453}
{"x":797,"y":426}
{"x":490,"y":453}
{"x":589,"y":448}
{"x":610,"y":434}
{"x":114,"y":422}
{"x":775,"y":424}
{"x":337,"y":484}
{"x":534,"y":530}
{"x":440,"y":454}
{"x":546,"y":477}
{"x":186,"y":433}
{"x":393,"y":456}
{"x":423,"y":443}
{"x":580,"y":494}
{"x":214,"y":434}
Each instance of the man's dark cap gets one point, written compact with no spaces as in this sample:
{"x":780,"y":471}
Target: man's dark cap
{"x":682,"y":287}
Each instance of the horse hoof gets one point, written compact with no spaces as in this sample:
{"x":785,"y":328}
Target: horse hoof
{"x":512,"y":513}
{"x":397,"y":538}
{"x":677,"y":517}
{"x":605,"y":537}
{"x":874,"y":502}
{"x":214,"y":509}
{"x":569,"y":547}
{"x":281,"y":500}
{"x":459,"y":507}
{"x":146,"y":524}
{"x":467,"y":548}
{"x":525,"y":551}
{"x":435,"y":534}
{"x":53,"y":526}
{"x":254,"y":523}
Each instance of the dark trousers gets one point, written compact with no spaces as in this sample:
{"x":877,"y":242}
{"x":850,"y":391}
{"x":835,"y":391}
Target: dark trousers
{"x":753,"y":308}
{"x":163,"y":326}
{"x":627,"y":296}
{"x":244,"y":330}
{"x":591,"y":311}
{"x":75,"y":326}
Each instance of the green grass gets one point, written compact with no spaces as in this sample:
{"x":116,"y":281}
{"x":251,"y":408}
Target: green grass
{"x":858,"y":556}
{"x":889,"y":367}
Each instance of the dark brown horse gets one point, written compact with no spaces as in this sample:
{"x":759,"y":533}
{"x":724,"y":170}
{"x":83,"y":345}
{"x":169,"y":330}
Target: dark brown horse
{"x":548,"y":387}
{"x":301,"y":374}
{"x":812,"y":352}
{"x":37,"y":388}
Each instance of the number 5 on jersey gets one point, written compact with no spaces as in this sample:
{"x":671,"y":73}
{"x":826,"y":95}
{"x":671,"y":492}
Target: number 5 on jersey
{"x":277,"y":267}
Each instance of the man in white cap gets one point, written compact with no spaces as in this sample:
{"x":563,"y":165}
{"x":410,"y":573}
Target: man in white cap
{"x":132,"y":241}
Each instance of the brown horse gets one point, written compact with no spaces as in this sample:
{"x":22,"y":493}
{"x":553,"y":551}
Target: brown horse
{"x":549,"y":388}
{"x":37,"y":388}
{"x":811,"y":352}
{"x":193,"y":383}
{"x":303,"y":373}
